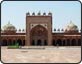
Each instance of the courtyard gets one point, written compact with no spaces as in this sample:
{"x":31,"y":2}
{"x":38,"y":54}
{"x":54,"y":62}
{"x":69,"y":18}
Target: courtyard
{"x":41,"y":54}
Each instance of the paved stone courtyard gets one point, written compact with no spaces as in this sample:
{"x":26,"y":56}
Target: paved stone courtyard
{"x":48,"y":54}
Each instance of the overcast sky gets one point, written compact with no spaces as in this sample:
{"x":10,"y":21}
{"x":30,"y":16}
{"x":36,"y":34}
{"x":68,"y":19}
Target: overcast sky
{"x":62,"y":12}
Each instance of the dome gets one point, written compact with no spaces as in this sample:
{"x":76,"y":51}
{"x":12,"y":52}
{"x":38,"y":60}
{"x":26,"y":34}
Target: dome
{"x":44,"y":13}
{"x":71,"y":27}
{"x":39,"y":13}
{"x":27,"y":13}
{"x":49,"y":13}
{"x":9,"y":28}
{"x":33,"y":13}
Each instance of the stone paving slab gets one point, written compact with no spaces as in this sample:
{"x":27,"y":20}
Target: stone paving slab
{"x":48,"y":55}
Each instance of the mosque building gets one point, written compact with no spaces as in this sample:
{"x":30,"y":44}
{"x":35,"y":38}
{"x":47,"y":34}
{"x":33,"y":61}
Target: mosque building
{"x":38,"y":32}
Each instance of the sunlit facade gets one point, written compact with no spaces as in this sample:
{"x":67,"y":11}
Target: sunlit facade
{"x":38,"y":32}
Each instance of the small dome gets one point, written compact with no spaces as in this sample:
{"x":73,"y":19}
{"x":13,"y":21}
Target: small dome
{"x":27,"y":13}
{"x":9,"y":28}
{"x":22,"y":29}
{"x":39,"y":13}
{"x":71,"y":27}
{"x":19,"y":29}
{"x":62,"y":29}
{"x":33,"y":13}
{"x":49,"y":13}
{"x":54,"y":29}
{"x":44,"y":13}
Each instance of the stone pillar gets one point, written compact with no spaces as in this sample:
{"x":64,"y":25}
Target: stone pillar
{"x":42,"y":42}
{"x":49,"y":34}
{"x":76,"y":42}
{"x":27,"y":35}
{"x":62,"y":42}
{"x":65,"y":42}
{"x":35,"y":42}
{"x":70,"y":42}
{"x":55,"y":42}
{"x":22,"y":42}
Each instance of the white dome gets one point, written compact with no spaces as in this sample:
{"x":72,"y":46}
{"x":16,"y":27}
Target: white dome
{"x":9,"y":27}
{"x":71,"y":27}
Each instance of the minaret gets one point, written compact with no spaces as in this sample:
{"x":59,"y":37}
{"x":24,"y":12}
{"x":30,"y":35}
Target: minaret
{"x":70,"y":21}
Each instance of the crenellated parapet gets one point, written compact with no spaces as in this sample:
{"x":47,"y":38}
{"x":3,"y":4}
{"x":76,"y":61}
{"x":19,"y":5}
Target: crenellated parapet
{"x":64,"y":30}
{"x":21,"y":31}
{"x":38,"y":14}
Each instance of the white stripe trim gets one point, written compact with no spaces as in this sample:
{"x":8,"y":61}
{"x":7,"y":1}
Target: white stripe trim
{"x":53,"y":35}
{"x":72,"y":35}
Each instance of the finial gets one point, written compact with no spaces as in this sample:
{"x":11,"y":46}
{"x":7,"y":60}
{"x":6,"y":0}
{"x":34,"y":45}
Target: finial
{"x":8,"y":22}
{"x":70,"y":21}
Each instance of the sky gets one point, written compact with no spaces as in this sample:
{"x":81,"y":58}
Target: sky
{"x":62,"y":12}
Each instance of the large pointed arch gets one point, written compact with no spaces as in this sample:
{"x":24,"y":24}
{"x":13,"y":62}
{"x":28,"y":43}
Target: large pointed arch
{"x":38,"y":35}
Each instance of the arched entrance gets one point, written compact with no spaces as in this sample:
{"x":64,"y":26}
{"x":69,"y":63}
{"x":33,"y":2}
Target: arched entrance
{"x":73,"y":42}
{"x":9,"y":42}
{"x":64,"y":42}
{"x":19,"y":41}
{"x":59,"y":42}
{"x":45,"y":42}
{"x":53,"y":43}
{"x":4,"y":43}
{"x":14,"y":42}
{"x":39,"y":42}
{"x":38,"y":36}
{"x":68,"y":42}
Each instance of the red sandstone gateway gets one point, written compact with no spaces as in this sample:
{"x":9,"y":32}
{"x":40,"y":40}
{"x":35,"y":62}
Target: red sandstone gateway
{"x":38,"y":32}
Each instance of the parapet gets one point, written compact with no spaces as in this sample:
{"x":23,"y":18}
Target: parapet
{"x":39,"y":14}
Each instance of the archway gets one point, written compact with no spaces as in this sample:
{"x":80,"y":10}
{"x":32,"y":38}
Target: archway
{"x":19,"y":42}
{"x":9,"y":42}
{"x":59,"y":42}
{"x":33,"y":42}
{"x":68,"y":42}
{"x":38,"y":35}
{"x":73,"y":42}
{"x":14,"y":42}
{"x":45,"y":42}
{"x":39,"y":42}
{"x":64,"y":42}
{"x":53,"y":43}
{"x":4,"y":43}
